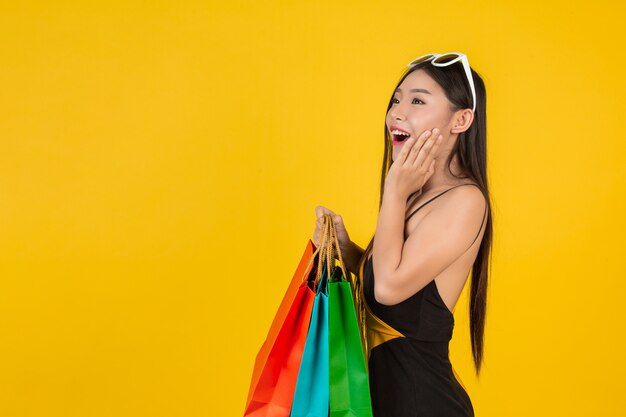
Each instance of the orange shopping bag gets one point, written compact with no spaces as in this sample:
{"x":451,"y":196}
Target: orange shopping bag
{"x":278,"y":361}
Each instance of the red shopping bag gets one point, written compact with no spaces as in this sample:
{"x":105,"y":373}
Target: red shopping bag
{"x":278,"y":361}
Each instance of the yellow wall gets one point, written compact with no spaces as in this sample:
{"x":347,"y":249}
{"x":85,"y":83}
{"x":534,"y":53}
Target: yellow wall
{"x":160,"y":163}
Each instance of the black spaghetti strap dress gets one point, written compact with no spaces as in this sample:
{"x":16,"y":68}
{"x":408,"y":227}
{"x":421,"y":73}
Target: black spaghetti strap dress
{"x":407,"y":352}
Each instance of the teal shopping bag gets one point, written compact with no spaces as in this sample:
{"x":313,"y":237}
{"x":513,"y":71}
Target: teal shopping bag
{"x":312,"y":394}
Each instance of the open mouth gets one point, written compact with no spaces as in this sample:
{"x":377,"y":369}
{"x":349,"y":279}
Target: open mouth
{"x":400,"y":137}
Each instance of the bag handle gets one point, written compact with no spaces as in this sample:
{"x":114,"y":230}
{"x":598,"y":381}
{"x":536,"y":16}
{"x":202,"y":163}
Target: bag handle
{"x":335,"y":240}
{"x":325,"y":251}
{"x":317,"y":254}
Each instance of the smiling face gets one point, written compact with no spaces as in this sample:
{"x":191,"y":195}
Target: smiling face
{"x":419,"y":104}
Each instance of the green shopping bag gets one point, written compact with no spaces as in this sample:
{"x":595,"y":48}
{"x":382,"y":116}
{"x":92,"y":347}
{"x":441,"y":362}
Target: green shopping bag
{"x":349,"y":381}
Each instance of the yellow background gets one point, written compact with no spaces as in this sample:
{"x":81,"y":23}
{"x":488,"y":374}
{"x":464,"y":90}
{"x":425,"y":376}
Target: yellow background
{"x":160,"y":163}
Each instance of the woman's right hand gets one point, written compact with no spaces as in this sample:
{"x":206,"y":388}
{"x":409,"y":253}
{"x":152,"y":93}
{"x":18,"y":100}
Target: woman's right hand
{"x":342,"y":233}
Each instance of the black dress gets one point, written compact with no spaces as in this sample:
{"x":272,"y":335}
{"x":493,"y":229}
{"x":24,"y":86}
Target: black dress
{"x":407,"y":352}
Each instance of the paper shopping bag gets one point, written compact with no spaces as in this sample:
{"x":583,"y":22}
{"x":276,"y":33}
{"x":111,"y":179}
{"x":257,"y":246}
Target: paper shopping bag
{"x":311,"y":397}
{"x":278,"y":361}
{"x":349,"y":380}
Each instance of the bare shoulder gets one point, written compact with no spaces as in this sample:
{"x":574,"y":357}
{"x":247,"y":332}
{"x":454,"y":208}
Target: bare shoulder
{"x":469,"y":195}
{"x":466,"y":201}
{"x":466,"y":198}
{"x":462,"y":206}
{"x":459,"y":210}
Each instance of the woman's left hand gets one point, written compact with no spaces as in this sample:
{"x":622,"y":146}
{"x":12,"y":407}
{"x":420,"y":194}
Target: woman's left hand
{"x":414,"y":165}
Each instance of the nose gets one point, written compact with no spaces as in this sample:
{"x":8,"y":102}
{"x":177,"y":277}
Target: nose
{"x":397,"y":112}
{"x":394,"y":115}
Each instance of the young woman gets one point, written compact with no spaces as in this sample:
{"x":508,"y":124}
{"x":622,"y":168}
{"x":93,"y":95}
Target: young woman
{"x":434,"y":227}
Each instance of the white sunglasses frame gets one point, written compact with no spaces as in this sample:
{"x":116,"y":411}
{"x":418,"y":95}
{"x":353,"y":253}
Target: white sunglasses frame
{"x":460,"y":57}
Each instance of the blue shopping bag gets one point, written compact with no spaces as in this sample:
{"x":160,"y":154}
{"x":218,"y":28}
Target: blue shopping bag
{"x":312,"y":394}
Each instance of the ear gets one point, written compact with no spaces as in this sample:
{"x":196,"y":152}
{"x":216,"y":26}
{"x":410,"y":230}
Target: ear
{"x":462,"y":120}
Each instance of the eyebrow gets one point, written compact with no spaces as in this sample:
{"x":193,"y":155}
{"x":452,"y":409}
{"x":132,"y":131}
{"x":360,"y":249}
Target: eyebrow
{"x":414,"y":90}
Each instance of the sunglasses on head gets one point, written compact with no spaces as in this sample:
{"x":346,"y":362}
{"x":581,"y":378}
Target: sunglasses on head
{"x":449,"y":58}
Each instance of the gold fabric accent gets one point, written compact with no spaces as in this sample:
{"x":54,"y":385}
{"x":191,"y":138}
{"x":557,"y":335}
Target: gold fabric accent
{"x":377,"y":331}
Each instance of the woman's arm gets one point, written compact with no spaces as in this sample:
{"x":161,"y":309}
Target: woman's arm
{"x":389,"y":237}
{"x":403,"y":268}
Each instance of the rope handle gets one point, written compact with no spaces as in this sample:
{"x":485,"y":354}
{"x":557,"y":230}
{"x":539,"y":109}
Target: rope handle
{"x":324,"y":252}
{"x":319,"y":255}
{"x":329,"y":243}
{"x":333,"y":235}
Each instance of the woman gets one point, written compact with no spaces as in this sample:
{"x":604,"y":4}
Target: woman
{"x":433,"y":228}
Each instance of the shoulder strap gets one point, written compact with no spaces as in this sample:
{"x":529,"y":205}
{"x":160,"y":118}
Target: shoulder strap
{"x":438,"y":195}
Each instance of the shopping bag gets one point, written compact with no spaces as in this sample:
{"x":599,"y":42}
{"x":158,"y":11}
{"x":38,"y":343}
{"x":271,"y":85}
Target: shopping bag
{"x":349,"y":381}
{"x":278,"y":361}
{"x":311,"y":397}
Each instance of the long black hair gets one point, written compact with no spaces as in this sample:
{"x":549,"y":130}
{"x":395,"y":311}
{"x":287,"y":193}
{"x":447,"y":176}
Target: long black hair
{"x":471,"y":151}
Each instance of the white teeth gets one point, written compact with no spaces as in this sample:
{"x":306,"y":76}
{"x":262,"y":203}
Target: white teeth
{"x":399,"y":132}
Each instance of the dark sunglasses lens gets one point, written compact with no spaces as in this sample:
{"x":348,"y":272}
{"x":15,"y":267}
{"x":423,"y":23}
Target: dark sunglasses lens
{"x":442,"y":59}
{"x":421,"y":59}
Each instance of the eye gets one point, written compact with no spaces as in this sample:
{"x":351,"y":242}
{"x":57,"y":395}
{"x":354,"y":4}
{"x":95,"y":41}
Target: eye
{"x":395,"y":100}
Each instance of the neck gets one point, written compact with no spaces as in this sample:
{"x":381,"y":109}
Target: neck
{"x":442,"y":177}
